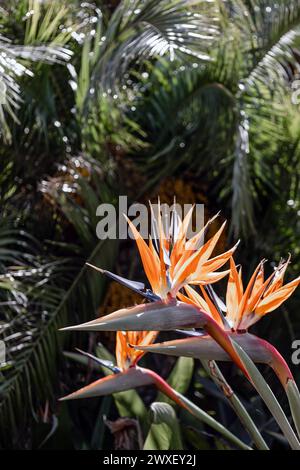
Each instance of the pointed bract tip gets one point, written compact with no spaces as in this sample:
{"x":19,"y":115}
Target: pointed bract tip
{"x":80,"y":351}
{"x":70,"y":328}
{"x":95,"y":267}
{"x":67,"y":397}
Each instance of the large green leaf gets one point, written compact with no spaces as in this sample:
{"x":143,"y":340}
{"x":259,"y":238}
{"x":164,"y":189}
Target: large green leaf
{"x":164,"y":433}
{"x":179,"y":378}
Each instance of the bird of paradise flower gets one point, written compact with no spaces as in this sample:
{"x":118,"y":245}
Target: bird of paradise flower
{"x":244,"y":307}
{"x":172,"y":263}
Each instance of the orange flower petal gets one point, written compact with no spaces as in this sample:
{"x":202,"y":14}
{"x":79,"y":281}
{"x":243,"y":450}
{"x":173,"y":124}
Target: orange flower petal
{"x":258,"y":281}
{"x":125,"y":354}
{"x":150,"y":263}
{"x":247,"y":294}
{"x":185,"y":271}
{"x":274,"y":300}
{"x":277,"y":280}
{"x":234,"y":293}
{"x":218,"y":261}
{"x":209,"y":278}
{"x":210,"y":245}
{"x":196,"y":241}
{"x":121,"y":350}
{"x":179,"y":244}
{"x":212,"y":309}
{"x":196,"y":299}
{"x":185,"y":299}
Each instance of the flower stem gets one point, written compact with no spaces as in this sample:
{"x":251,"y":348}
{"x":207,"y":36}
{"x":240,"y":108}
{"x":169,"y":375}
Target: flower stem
{"x":285,"y":376}
{"x":200,"y":414}
{"x":210,"y":421}
{"x":268,"y":397}
{"x":294,"y":401}
{"x":213,"y":370}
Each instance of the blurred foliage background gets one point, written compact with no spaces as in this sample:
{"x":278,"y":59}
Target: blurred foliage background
{"x":196,"y":99}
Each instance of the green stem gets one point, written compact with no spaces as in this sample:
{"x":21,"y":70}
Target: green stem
{"x":269,"y":398}
{"x":200,"y":414}
{"x":213,"y":370}
{"x":210,"y":421}
{"x":293,"y":395}
{"x":181,"y":400}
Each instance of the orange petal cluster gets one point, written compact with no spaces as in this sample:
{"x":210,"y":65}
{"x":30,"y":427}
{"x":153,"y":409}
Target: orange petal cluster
{"x":177,"y":261}
{"x":246,"y":306}
{"x":126,"y":356}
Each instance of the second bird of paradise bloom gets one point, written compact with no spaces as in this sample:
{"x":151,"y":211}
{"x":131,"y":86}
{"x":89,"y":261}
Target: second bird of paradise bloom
{"x":127,"y":375}
{"x":244,"y":307}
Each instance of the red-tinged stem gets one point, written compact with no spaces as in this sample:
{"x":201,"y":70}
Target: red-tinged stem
{"x":278,"y":363}
{"x":200,"y":414}
{"x":275,"y":360}
{"x":220,"y":335}
{"x":223,"y":339}
{"x":285,"y":376}
{"x":165,"y":388}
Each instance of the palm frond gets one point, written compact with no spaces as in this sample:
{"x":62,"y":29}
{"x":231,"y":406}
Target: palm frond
{"x":146,"y":28}
{"x":42,"y":43}
{"x":198,"y":100}
{"x":37,"y":299}
{"x":265,"y":87}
